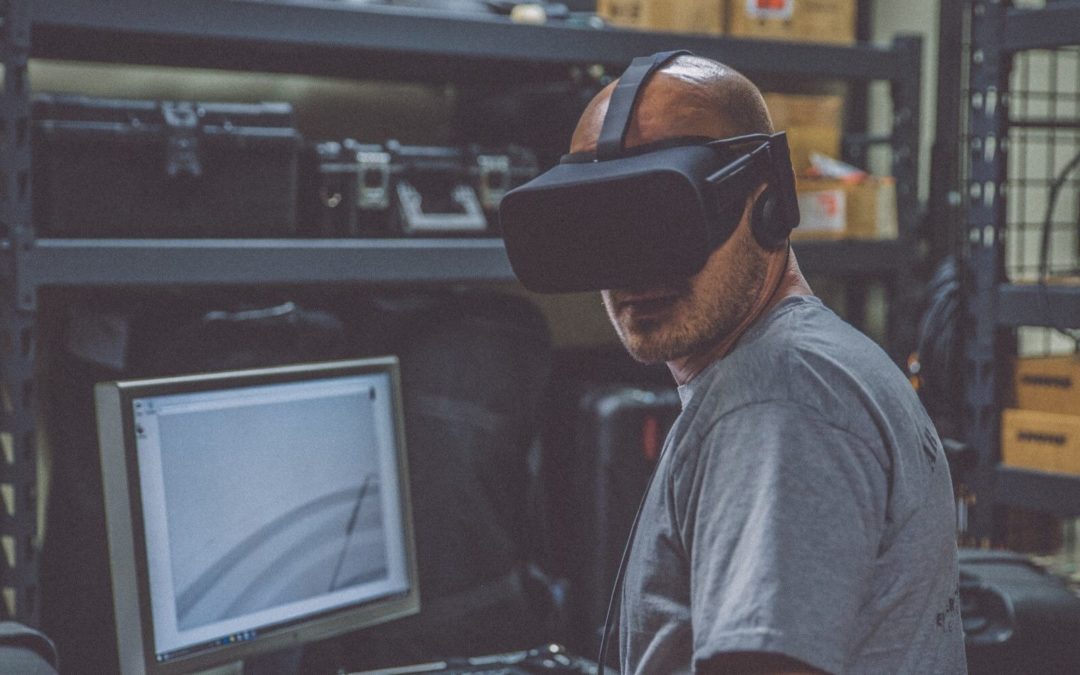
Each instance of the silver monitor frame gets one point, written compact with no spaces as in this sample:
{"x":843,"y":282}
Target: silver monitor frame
{"x":126,"y":536}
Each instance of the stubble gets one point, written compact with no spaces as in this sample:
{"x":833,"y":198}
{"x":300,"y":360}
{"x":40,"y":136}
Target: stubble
{"x":710,"y":306}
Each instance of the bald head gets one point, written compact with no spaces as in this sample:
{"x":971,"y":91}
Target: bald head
{"x":688,"y":96}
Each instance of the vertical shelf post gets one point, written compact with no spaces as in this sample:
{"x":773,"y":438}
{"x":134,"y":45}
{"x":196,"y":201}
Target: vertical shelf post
{"x":984,"y":259}
{"x":906,"y":93}
{"x":18,"y":437}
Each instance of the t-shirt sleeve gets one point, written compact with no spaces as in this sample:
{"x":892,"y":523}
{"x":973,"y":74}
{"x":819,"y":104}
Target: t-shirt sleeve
{"x":783,"y":517}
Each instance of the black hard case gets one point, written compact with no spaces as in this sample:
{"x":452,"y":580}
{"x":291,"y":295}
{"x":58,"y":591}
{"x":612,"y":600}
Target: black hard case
{"x":139,"y":168}
{"x":1017,"y":617}
{"x":620,"y":432}
{"x":352,"y":189}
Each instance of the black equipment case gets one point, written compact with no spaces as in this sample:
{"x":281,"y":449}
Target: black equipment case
{"x":140,"y":168}
{"x":352,"y":189}
{"x":1018,"y":618}
{"x":619,"y":434}
{"x":25,"y":651}
{"x":474,"y":368}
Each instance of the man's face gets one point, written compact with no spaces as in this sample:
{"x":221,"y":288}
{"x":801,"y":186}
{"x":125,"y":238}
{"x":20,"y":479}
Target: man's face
{"x":674,"y":321}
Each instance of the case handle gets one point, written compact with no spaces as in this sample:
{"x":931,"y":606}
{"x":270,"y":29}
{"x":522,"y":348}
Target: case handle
{"x":415,"y":221}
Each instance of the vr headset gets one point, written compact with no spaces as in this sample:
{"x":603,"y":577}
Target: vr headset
{"x":648,"y":215}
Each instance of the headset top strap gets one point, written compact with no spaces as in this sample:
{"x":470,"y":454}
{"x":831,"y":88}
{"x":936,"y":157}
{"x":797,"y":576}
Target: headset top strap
{"x":623,"y":99}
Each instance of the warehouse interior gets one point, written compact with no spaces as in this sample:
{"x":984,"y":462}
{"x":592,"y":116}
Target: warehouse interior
{"x":196,"y":197}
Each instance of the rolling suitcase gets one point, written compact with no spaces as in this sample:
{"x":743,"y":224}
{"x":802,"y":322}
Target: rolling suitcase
{"x":620,"y":432}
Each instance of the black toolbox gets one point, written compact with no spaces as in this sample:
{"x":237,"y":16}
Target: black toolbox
{"x":352,"y":189}
{"x":140,"y":168}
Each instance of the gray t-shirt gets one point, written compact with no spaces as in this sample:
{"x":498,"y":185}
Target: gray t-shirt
{"x":802,"y":506}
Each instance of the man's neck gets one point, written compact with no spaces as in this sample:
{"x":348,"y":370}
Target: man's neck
{"x":783,"y":280}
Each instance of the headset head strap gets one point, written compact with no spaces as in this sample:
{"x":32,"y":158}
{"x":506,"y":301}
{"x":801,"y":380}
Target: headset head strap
{"x":624,"y":98}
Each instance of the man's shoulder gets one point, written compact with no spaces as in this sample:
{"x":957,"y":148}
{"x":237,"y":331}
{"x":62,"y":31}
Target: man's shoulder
{"x":801,"y":344}
{"x":805,"y":355}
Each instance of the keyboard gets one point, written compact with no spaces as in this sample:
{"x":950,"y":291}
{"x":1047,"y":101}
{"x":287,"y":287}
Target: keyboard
{"x":551,"y":658}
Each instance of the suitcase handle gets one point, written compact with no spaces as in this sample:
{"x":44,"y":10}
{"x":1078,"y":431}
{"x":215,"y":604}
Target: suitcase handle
{"x":415,"y":221}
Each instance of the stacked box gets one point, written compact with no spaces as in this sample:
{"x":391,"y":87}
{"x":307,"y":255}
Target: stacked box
{"x":1043,"y":432}
{"x":812,"y":123}
{"x":1049,"y":384}
{"x":678,"y":16}
{"x":863,"y":208}
{"x":836,"y":209}
{"x":1043,"y":441}
{"x":831,"y":21}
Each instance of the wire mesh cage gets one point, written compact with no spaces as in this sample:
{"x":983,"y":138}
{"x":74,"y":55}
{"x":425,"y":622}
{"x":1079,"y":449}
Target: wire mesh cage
{"x":1042,"y":239}
{"x":1043,"y":187}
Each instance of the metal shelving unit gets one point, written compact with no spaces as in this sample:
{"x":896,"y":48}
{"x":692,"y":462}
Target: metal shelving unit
{"x":993,"y":307}
{"x":326,"y":38}
{"x":1048,"y":306}
{"x":155,"y":262}
{"x":1036,"y":490}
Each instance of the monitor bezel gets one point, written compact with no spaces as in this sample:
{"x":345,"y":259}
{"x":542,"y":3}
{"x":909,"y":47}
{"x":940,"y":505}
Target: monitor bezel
{"x":126,"y":533}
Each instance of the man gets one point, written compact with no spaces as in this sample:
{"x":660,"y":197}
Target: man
{"x":801,"y":519}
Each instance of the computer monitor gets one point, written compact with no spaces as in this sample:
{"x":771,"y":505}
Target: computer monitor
{"x":253,"y":510}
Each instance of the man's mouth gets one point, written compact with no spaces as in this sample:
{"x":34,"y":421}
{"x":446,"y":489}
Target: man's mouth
{"x":648,"y":304}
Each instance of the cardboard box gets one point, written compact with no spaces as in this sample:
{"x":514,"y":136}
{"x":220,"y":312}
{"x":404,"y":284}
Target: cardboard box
{"x":1049,"y":384}
{"x":812,"y":123}
{"x":1032,"y":439}
{"x":834,"y":209}
{"x":830,"y":21}
{"x":677,"y":16}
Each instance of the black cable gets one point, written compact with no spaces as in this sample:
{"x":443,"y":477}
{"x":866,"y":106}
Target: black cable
{"x":936,"y":344}
{"x":617,"y":585}
{"x":1044,"y":249}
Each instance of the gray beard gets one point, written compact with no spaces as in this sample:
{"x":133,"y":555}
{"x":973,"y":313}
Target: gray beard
{"x":714,"y":319}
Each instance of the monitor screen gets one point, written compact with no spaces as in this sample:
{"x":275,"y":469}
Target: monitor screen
{"x":251,"y":510}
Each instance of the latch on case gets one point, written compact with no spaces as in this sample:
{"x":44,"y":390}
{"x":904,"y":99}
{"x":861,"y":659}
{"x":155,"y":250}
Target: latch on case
{"x":494,"y":179}
{"x":373,"y":181}
{"x":181,"y":139}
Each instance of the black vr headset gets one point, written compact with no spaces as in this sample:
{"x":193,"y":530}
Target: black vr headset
{"x":648,"y":215}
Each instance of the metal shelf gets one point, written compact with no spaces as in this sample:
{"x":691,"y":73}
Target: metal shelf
{"x":149,"y":262}
{"x":1056,"y":25}
{"x":124,"y":262}
{"x":854,"y":257}
{"x":1058,"y":494}
{"x":326,"y":38}
{"x":1052,"y":306}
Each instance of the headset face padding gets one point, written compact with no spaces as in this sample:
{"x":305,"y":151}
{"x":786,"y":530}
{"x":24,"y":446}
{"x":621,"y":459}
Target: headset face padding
{"x":649,"y":215}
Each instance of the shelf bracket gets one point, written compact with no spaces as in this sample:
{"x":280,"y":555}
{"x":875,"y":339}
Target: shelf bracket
{"x":18,"y":433}
{"x":984,"y":262}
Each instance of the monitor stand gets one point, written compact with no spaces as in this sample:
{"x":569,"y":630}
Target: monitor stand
{"x":284,"y":662}
{"x":234,"y":668}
